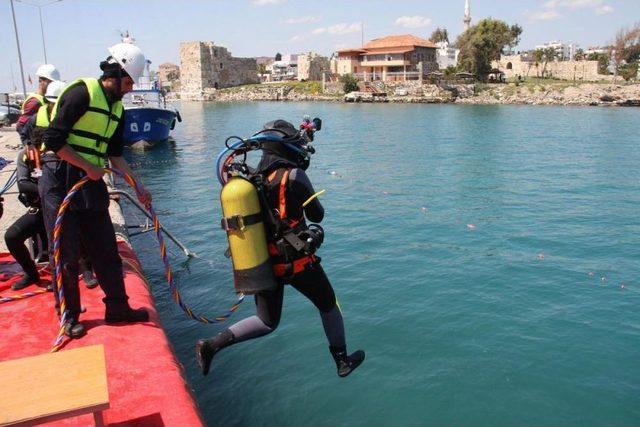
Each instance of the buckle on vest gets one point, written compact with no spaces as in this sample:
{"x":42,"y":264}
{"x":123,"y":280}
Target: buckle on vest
{"x":235,"y":222}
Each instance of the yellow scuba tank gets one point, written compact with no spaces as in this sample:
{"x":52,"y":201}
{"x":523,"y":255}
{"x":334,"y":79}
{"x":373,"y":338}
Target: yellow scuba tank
{"x":252,"y":270}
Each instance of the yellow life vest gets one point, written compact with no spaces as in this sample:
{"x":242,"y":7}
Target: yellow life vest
{"x":40,"y":99}
{"x":90,"y":135}
{"x":42,"y":117}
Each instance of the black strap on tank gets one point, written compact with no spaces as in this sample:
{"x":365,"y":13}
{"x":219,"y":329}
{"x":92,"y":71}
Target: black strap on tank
{"x":239,"y":222}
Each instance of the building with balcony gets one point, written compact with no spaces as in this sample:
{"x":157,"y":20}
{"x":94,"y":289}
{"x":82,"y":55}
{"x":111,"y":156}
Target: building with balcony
{"x":401,"y":57}
{"x":564,"y":51}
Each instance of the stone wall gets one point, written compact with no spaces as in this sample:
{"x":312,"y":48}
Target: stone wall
{"x":514,"y":66}
{"x":168,"y":72}
{"x":205,"y":66}
{"x":311,"y":65}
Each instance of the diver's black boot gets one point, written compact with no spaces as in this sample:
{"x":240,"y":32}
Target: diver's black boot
{"x":346,"y":363}
{"x":207,"y":348}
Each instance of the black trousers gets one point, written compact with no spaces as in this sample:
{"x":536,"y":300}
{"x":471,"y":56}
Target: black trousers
{"x":83,"y":226}
{"x":312,"y":283}
{"x":29,"y":225}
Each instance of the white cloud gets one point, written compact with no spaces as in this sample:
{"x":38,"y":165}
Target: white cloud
{"x":302,"y":20}
{"x":340,"y":29}
{"x":416,"y":21}
{"x":267,"y":2}
{"x":547,"y":15}
{"x":573,"y":4}
{"x":604,"y":10}
{"x":551,"y":8}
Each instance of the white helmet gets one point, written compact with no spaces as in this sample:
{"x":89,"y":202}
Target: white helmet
{"x":130,"y":58}
{"x":48,"y":71}
{"x":54,"y":90}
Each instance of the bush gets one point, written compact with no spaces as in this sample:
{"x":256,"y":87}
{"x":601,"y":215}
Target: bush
{"x":350,"y":83}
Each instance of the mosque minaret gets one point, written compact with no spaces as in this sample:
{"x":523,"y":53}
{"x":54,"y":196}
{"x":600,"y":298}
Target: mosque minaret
{"x":467,"y":15}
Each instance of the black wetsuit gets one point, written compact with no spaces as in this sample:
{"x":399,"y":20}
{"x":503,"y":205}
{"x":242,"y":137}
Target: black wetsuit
{"x":312,"y":283}
{"x":29,"y":225}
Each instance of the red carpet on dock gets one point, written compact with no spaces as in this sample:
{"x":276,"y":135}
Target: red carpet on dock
{"x":145,"y":380}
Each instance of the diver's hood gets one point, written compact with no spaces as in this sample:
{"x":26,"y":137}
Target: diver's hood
{"x":286,"y":150}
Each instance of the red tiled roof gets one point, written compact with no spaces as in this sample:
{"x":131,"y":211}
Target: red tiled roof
{"x":355,"y":49}
{"x":399,"y":41}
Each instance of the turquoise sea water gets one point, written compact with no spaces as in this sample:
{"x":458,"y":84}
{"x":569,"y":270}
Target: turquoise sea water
{"x":486,"y":258}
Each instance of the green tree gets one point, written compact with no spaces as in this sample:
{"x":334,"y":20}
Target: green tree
{"x":603,"y":62}
{"x":626,"y":51}
{"x":549,"y":54}
{"x":485,"y":42}
{"x":262,"y":69}
{"x":628,"y":71}
{"x":580,"y":55}
{"x":278,"y":56}
{"x":439,"y":35}
{"x":349,"y":82}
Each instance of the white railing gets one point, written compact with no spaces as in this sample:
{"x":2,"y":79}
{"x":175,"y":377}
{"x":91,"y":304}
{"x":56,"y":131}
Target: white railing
{"x":393,"y":76}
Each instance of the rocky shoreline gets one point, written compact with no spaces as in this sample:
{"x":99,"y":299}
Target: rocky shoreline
{"x":554,"y":93}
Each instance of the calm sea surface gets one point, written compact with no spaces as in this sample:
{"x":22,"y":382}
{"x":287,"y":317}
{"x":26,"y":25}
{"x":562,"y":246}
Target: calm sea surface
{"x":487,"y":258}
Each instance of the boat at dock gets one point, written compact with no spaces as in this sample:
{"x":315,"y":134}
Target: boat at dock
{"x":147,"y":118}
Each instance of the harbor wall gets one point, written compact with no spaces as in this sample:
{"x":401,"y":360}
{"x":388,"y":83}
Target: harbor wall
{"x":513,"y":65}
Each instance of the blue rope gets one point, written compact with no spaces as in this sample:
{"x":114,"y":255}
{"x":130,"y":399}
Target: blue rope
{"x":10,"y":183}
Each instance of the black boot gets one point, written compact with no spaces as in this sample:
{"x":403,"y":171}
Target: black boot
{"x":207,"y":348}
{"x":27,"y":280}
{"x":74,"y":329}
{"x":90,"y":280}
{"x":346,"y":363}
{"x":125,"y":314}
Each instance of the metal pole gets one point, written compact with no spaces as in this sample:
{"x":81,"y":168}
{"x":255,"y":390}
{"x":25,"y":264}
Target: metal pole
{"x":15,"y":27}
{"x":44,"y":48}
{"x":141,"y":208}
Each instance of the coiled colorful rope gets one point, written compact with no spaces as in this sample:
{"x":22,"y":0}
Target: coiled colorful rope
{"x":22,"y":296}
{"x":57,"y":232}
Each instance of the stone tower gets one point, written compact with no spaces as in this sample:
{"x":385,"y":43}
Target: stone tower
{"x":467,"y":15}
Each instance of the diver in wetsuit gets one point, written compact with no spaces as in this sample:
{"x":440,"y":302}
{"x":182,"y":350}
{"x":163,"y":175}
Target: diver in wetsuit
{"x":287,"y":187}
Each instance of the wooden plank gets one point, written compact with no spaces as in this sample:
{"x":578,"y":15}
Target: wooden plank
{"x":53,"y":386}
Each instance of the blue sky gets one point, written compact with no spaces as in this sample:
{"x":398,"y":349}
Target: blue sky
{"x":78,"y":32}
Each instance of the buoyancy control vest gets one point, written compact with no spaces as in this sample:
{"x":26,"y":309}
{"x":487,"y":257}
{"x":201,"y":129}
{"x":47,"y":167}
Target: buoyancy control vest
{"x":292,"y":250}
{"x":90,"y":135}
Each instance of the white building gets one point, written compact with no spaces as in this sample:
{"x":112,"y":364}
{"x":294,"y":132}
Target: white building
{"x":564,"y":51}
{"x":446,"y":56}
{"x":285,"y":69}
{"x":596,"y":50}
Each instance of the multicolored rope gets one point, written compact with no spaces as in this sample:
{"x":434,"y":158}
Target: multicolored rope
{"x":22,"y":296}
{"x":57,"y":231}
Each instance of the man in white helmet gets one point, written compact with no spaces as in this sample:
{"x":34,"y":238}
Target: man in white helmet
{"x":31,"y":225}
{"x":86,"y":130}
{"x":46,"y":73}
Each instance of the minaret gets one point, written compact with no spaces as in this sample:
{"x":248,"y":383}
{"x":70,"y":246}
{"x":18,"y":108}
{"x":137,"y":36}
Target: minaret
{"x":467,"y":16}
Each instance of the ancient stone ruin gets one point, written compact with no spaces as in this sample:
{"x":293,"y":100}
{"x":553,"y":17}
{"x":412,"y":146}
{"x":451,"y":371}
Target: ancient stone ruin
{"x":205,"y":67}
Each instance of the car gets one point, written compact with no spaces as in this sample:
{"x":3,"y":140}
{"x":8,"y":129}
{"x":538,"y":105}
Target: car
{"x":9,"y":114}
